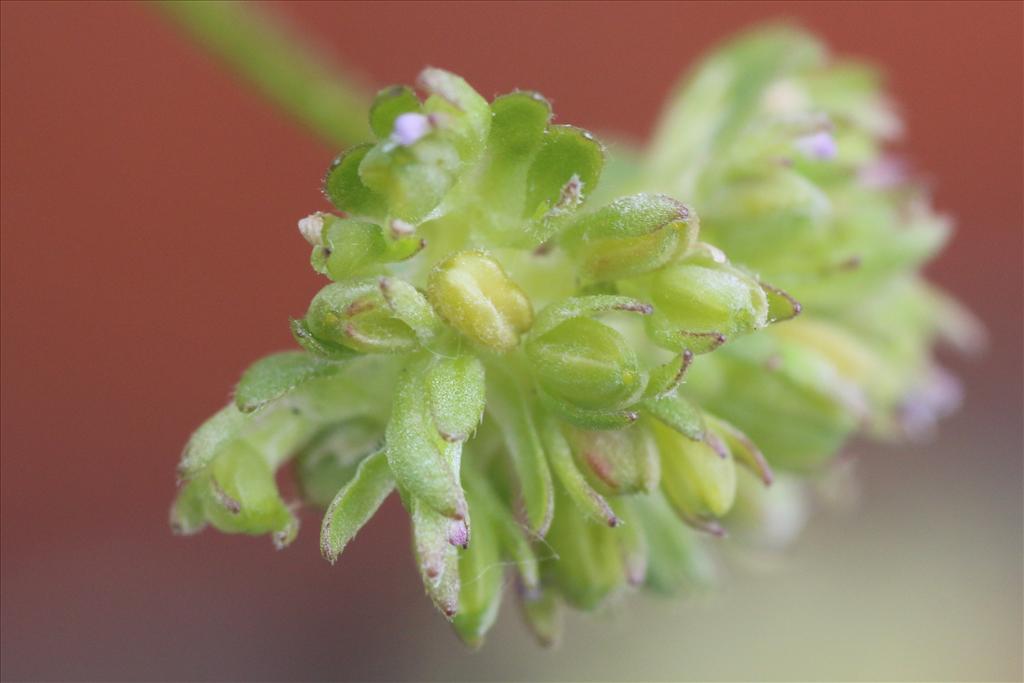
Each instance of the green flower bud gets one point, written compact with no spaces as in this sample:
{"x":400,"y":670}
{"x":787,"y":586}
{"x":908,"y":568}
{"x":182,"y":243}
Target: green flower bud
{"x":244,"y":497}
{"x":364,"y":316}
{"x":700,"y":304}
{"x":631,"y":236}
{"x":584,"y":363}
{"x":472,"y":292}
{"x":699,"y":480}
{"x":590,"y":567}
{"x":345,"y":248}
{"x":616,"y":461}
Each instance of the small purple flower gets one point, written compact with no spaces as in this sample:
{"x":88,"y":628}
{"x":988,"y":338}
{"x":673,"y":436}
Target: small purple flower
{"x":820,"y":146}
{"x":409,"y":128}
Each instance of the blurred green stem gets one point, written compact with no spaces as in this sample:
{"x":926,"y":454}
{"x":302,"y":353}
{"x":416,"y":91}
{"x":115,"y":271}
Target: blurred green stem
{"x":282,"y":66}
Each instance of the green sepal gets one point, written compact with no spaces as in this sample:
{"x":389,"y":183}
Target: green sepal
{"x":272,"y":377}
{"x":587,"y":419}
{"x":575,"y":307}
{"x":679,"y":413}
{"x":345,"y":189}
{"x":353,"y":247}
{"x":410,"y":306}
{"x":208,"y":438}
{"x":511,"y":409}
{"x":743,"y":449}
{"x":456,"y":395}
{"x":543,"y":614}
{"x":482,"y":577}
{"x":188,"y":513}
{"x":331,"y":459}
{"x":388,"y":105}
{"x":412,"y":180}
{"x":589,"y":569}
{"x":517,"y":128}
{"x":423,"y":463}
{"x":355,"y":504}
{"x":462,"y":114}
{"x":781,"y":305}
{"x":631,"y":236}
{"x":243,"y":495}
{"x":675,"y":560}
{"x":698,"y":480}
{"x":304,"y":337}
{"x":512,"y":538}
{"x":634,"y":546}
{"x":436,"y":557}
{"x":565,"y":168}
{"x":666,"y":378}
{"x":357,"y":315}
{"x":591,"y":503}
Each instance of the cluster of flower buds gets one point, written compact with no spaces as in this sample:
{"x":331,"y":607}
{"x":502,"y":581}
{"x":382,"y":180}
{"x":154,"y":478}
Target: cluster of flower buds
{"x":512,"y":354}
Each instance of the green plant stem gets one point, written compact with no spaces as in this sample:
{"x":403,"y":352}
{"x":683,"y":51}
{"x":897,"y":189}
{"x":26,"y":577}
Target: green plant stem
{"x":282,"y":66}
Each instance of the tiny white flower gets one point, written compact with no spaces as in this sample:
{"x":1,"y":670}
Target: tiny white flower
{"x":312,"y":227}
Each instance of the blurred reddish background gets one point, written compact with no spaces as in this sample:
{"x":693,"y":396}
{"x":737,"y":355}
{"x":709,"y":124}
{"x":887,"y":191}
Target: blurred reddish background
{"x":149,"y":254}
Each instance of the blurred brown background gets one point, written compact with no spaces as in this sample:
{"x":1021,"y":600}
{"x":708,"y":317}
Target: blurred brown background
{"x":149,"y":253}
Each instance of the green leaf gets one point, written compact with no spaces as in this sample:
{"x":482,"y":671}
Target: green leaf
{"x":355,"y":504}
{"x":344,"y":187}
{"x":389,"y":104}
{"x":272,"y":377}
{"x":591,"y":503}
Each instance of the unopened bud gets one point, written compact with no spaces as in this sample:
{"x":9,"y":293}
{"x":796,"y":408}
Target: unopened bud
{"x":472,"y":292}
{"x":358,"y":316}
{"x":698,"y":306}
{"x":698,"y":480}
{"x":348,"y":247}
{"x":244,"y":495}
{"x":616,"y":461}
{"x":631,"y":236}
{"x":587,"y":364}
